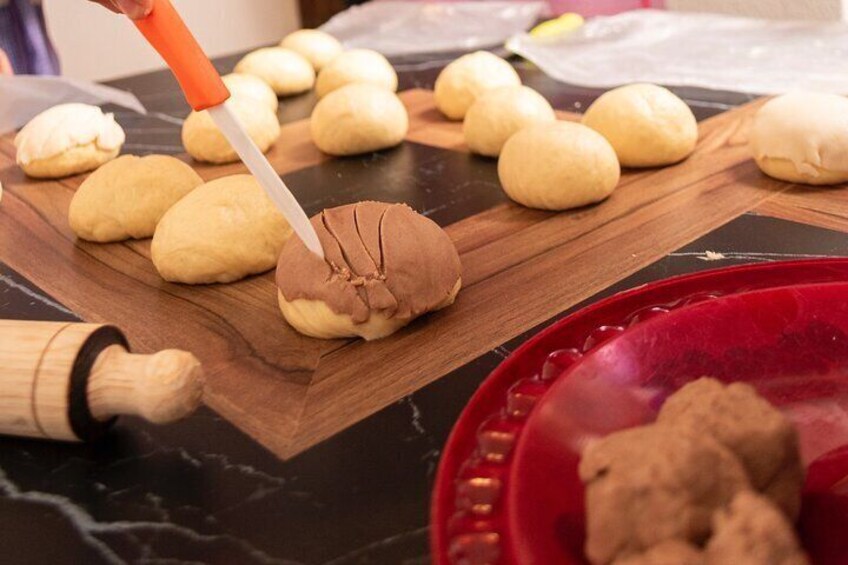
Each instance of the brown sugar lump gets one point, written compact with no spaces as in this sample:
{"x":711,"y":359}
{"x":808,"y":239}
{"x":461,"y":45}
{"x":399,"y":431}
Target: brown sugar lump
{"x":752,"y":531}
{"x":763,"y":439}
{"x":674,"y":552}
{"x":653,"y":484}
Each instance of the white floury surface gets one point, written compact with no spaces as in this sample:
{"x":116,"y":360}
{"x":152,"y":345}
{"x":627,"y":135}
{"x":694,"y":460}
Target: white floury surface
{"x":95,"y":44}
{"x":688,"y":49}
{"x":772,"y":9}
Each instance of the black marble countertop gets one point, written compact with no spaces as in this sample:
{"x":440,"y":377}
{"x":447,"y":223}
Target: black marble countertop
{"x":201,"y":491}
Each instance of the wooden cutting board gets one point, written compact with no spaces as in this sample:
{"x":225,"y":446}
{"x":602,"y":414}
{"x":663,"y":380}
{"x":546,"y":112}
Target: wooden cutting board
{"x":520,"y":268}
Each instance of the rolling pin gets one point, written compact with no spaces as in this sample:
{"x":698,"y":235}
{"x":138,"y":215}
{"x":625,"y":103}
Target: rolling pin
{"x":70,"y":381}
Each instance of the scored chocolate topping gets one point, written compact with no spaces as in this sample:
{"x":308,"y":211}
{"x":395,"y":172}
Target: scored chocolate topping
{"x":379,"y":257}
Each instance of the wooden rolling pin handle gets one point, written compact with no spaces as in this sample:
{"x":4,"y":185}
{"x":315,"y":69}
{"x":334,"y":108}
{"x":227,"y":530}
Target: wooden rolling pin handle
{"x":162,"y":387}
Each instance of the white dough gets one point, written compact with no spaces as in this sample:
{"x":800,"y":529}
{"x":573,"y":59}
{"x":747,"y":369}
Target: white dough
{"x":647,"y":125}
{"x":318,"y":47}
{"x":356,"y":65}
{"x":67,"y":139}
{"x":463,"y":80}
{"x":286,"y":72}
{"x":499,"y":113}
{"x":358,"y":118}
{"x":204,"y":141}
{"x":125,"y":198}
{"x":802,"y":137}
{"x":253,"y":88}
{"x":221,"y":231}
{"x":557,"y":166}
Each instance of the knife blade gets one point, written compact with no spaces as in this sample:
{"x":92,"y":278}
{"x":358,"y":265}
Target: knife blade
{"x":165,"y":30}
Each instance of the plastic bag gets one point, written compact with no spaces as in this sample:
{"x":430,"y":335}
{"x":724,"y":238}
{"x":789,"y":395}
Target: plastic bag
{"x":703,"y":50}
{"x":23,"y":97}
{"x":407,"y":28}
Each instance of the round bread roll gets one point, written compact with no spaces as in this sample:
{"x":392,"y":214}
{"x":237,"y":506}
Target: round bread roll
{"x":356,"y":65}
{"x":221,"y":231}
{"x":463,"y":80}
{"x":204,"y":141}
{"x":253,"y":88}
{"x":385,"y":265}
{"x":557,"y":166}
{"x":358,"y":118}
{"x":499,"y":113}
{"x":67,"y":139}
{"x":647,"y":125}
{"x":126,"y":198}
{"x":673,"y":552}
{"x":802,"y":137}
{"x":316,"y":46}
{"x":649,"y":485}
{"x":286,"y":72}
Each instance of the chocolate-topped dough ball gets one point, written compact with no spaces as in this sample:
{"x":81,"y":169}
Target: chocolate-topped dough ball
{"x":384,"y":266}
{"x":654,"y":484}
{"x":755,"y":431}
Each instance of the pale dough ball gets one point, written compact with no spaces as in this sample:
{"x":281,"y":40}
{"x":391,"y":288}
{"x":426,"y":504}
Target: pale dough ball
{"x":802,"y":137}
{"x":318,"y":47}
{"x":557,"y":166}
{"x":463,"y":80}
{"x":647,"y":125}
{"x":221,"y":231}
{"x":384,"y":266}
{"x":67,"y":139}
{"x":284,"y":70}
{"x":204,"y":141}
{"x":497,"y":114}
{"x":125,"y":198}
{"x":358,"y":118}
{"x":253,"y":88}
{"x":356,"y":65}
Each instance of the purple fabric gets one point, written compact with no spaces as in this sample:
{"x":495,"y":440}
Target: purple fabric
{"x":23,"y":36}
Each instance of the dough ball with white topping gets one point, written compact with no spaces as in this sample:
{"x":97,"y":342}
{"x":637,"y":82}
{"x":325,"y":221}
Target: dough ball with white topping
{"x":66,"y":140}
{"x":802,"y":137}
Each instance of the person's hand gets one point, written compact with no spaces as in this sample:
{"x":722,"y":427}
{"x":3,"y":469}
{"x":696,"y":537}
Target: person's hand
{"x":5,"y":65}
{"x":135,"y":9}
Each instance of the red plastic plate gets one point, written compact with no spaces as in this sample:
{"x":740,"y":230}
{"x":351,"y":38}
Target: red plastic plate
{"x":505,"y":491}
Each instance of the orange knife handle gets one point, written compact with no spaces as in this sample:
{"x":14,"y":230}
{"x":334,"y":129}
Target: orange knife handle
{"x":168,"y":34}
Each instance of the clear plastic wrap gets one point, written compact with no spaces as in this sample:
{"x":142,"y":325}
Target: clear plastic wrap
{"x":408,"y":28}
{"x":23,"y":97}
{"x":702,"y":50}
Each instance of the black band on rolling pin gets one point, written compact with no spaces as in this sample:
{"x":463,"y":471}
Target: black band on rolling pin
{"x":85,"y":426}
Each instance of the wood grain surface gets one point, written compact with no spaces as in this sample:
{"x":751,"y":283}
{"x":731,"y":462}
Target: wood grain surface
{"x":520,"y":268}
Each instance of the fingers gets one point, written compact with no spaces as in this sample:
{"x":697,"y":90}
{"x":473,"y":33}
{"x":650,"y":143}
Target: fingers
{"x":135,"y":9}
{"x":5,"y":64}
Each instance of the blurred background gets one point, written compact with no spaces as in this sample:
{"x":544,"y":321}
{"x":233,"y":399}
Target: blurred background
{"x":80,"y":30}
